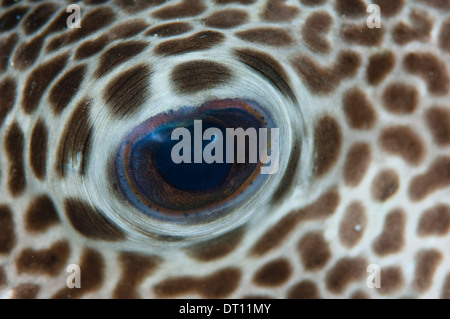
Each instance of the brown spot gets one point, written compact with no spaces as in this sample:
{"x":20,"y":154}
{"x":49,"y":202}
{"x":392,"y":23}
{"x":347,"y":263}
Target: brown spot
{"x":3,"y":279}
{"x":176,"y":286}
{"x":92,"y":275}
{"x":91,"y":47}
{"x":127,"y":29}
{"x":95,"y":2}
{"x":353,"y":224}
{"x":25,"y":291}
{"x":390,"y":8}
{"x":323,"y":207}
{"x":67,"y":86}
{"x":278,"y":11}
{"x":314,"y":251}
{"x":438,"y":4}
{"x":351,"y":8}
{"x":12,"y":17}
{"x":257,"y":297}
{"x":197,"y":42}
{"x":14,"y":144}
{"x":362,"y":35}
{"x":126,"y":92}
{"x":7,"y":97}
{"x":404,"y":142}
{"x":226,"y":19}
{"x":244,"y":2}
{"x":445,"y":294}
{"x":6,"y":47}
{"x":316,"y":26}
{"x":169,"y":29}
{"x":391,"y":239}
{"x":380,"y":65}
{"x":59,"y":23}
{"x":427,"y":262}
{"x":431,"y":69}
{"x":435,"y":221}
{"x":7,"y":235}
{"x":76,"y":139}
{"x":305,"y":289}
{"x":444,"y":36}
{"x":92,"y":21}
{"x":38,"y":149}
{"x":194,"y":76}
{"x":356,"y":163}
{"x":323,"y":80}
{"x":400,"y":98}
{"x":274,"y":273}
{"x":436,"y":177}
{"x":27,"y":52}
{"x":438,"y":121}
{"x":288,"y":180}
{"x":359,"y":295}
{"x":344,"y":272}
{"x":41,"y":214}
{"x":38,"y":17}
{"x":218,"y":247}
{"x":49,"y":261}
{"x":419,"y":30}
{"x":57,"y":42}
{"x":267,"y":67}
{"x":134,"y":6}
{"x":385,"y":184}
{"x":268,"y":36}
{"x":327,"y":144}
{"x":117,"y":55}
{"x":217,"y":285}
{"x":135,"y":268}
{"x":313,"y":2}
{"x":186,"y":8}
{"x":391,"y":280}
{"x":359,"y":112}
{"x":38,"y":81}
{"x":90,"y":221}
{"x":7,"y":3}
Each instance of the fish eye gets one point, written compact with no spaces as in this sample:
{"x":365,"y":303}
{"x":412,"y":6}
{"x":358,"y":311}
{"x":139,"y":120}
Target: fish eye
{"x":196,"y":163}
{"x":185,"y":167}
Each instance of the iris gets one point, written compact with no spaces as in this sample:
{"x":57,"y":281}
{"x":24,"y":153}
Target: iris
{"x":150,"y":179}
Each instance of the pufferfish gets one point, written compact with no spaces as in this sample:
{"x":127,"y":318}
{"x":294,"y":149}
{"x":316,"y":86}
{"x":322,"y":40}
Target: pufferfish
{"x":92,"y":204}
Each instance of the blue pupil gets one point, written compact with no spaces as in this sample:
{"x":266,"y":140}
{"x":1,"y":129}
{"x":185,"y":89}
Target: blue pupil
{"x":183,"y":176}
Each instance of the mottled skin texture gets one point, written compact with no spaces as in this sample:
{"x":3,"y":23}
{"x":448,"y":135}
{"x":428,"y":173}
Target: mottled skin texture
{"x":370,"y":184}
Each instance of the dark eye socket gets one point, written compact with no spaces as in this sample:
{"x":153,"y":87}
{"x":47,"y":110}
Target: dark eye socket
{"x":199,"y":188}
